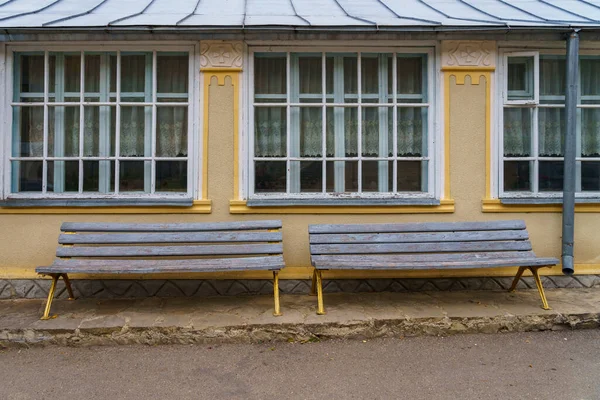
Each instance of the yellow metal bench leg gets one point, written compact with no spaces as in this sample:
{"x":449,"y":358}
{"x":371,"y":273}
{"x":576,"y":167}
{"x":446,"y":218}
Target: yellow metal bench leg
{"x":516,"y":280}
{"x":50,"y":298}
{"x":538,"y":282}
{"x":313,"y":286}
{"x":277,"y":311}
{"x":319,"y":281}
{"x":68,"y":285}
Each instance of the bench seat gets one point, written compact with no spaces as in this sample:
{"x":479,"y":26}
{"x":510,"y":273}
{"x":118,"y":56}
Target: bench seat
{"x":125,"y":248}
{"x":423,"y":246}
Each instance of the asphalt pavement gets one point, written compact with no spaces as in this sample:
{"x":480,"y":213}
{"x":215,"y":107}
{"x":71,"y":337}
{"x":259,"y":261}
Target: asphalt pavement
{"x":537,"y":365}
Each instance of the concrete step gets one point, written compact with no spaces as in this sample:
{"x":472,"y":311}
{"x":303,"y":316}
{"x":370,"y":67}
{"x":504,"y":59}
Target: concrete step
{"x":249,"y":319}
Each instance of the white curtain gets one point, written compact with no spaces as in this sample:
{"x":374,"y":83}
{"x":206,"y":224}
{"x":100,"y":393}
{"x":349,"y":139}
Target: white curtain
{"x":270,"y":132}
{"x":551,"y":126}
{"x":590,"y":91}
{"x":551,"y":121}
{"x":410,"y":132}
{"x":517,"y":132}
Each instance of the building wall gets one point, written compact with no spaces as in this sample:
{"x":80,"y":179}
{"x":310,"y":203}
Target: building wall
{"x":28,"y":237}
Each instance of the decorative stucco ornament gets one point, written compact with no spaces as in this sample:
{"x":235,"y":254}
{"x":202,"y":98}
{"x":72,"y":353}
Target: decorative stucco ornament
{"x":218,"y":54}
{"x":468,"y":53}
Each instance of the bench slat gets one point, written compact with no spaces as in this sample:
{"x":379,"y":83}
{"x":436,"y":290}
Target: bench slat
{"x":151,"y":251}
{"x":425,"y":257}
{"x":157,"y":266}
{"x":465,"y":236}
{"x":418,"y":227}
{"x":364,"y":248}
{"x":175,"y":227}
{"x":84,"y":262}
{"x":333,"y":263}
{"x":184,"y":237}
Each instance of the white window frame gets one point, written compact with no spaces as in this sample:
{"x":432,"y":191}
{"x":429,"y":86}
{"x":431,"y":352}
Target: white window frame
{"x":434,"y":152}
{"x":502,"y":101}
{"x":194,"y":175}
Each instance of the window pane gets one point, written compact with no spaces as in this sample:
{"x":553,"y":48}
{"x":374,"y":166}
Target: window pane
{"x":64,"y":77}
{"x":551,"y":176}
{"x":136,"y":77}
{"x":63,"y":131}
{"x":411,"y":176}
{"x":590,"y":132}
{"x":92,"y":74}
{"x":27,"y":176}
{"x":411,"y":83}
{"x":270,"y":132}
{"x":350,"y":73}
{"x":171,"y":176}
{"x":270,"y":176}
{"x":377,"y":176}
{"x":552,"y":79}
{"x":342,"y":122}
{"x":171,"y":132}
{"x":135,"y":131}
{"x":590,"y":176}
{"x":517,"y":132}
{"x":374,"y":77}
{"x":311,"y":130}
{"x":99,"y":131}
{"x":172,"y":75}
{"x":311,"y":176}
{"x":517,"y":176}
{"x":72,"y":75}
{"x":311,"y":84}
{"x":100,"y":77}
{"x":412,"y":132}
{"x":377,"y":132}
{"x":29,"y":78}
{"x":342,"y":173}
{"x":270,"y":77}
{"x":342,"y":78}
{"x":589,"y":69}
{"x":551,"y":127}
{"x":63,"y":176}
{"x":520,"y":78}
{"x":113,"y":73}
{"x":131,"y":175}
{"x":99,"y":176}
{"x":28,"y":132}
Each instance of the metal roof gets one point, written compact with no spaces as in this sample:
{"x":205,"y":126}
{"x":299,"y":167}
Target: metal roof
{"x":307,"y":14}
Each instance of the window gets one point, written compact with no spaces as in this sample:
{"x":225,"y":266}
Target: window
{"x":100,"y":123}
{"x":533,"y":123}
{"x":341,"y":123}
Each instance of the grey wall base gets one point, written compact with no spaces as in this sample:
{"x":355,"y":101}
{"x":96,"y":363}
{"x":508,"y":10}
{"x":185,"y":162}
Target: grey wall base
{"x":119,"y":288}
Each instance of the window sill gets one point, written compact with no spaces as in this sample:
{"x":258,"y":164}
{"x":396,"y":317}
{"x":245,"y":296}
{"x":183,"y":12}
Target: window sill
{"x":537,"y":205}
{"x":105,"y":206}
{"x":408,"y":206}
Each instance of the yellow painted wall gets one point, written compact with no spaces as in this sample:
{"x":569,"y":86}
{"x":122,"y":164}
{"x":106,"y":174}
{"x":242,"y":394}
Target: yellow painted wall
{"x":29,"y":240}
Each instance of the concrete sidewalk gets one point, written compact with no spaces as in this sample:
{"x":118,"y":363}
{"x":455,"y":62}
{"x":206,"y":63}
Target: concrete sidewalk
{"x":245,"y":319}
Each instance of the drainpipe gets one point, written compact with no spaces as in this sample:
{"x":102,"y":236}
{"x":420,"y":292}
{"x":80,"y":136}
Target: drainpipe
{"x":568,"y":222}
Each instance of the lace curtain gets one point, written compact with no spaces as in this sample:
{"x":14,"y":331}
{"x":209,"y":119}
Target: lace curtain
{"x":552,"y":121}
{"x":590,"y":117}
{"x":270,"y":125}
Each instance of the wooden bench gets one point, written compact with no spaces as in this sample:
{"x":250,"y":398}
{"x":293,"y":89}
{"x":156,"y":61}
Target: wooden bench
{"x":120,"y":248}
{"x":423,"y":246}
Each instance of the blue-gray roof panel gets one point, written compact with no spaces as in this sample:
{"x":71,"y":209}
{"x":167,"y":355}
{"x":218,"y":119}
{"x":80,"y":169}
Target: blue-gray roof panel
{"x":53,"y":14}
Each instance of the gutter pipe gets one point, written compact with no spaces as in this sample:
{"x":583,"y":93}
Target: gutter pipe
{"x":568,"y":214}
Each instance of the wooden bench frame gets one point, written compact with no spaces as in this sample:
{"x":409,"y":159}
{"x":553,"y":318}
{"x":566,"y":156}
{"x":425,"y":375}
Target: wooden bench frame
{"x":423,"y":246}
{"x":124,"y":248}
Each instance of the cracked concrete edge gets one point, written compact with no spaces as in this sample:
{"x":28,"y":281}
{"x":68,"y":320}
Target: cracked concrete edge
{"x":121,"y":288}
{"x":297,"y":332}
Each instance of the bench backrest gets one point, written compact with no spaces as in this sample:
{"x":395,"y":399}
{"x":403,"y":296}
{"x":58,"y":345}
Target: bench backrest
{"x":479,"y":239}
{"x":219,"y":239}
